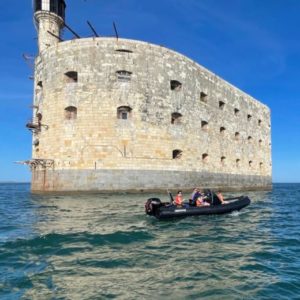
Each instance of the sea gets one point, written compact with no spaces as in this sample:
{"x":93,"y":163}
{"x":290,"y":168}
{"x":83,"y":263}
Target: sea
{"x":103,"y":246}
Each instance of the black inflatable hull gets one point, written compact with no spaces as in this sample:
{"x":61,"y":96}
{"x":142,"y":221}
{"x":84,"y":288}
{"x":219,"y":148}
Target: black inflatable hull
{"x":171,"y":211}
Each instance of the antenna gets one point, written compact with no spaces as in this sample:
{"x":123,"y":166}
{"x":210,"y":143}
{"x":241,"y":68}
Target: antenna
{"x":56,"y":36}
{"x":92,"y":28}
{"x":116,"y":31}
{"x":72,"y":31}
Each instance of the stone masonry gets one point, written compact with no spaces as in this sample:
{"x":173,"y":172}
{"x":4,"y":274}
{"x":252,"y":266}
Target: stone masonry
{"x":125,"y":115}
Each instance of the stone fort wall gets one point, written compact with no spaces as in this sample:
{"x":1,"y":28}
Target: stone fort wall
{"x":136,"y":116}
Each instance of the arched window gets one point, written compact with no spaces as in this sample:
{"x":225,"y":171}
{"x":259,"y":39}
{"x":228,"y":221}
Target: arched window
{"x":237,"y":136}
{"x":203,"y":97}
{"x":237,"y":162}
{"x":261,"y":165}
{"x":123,"y":75}
{"x":177,"y":154}
{"x":175,"y":85}
{"x":205,"y":157}
{"x":222,"y":130}
{"x":259,"y":122}
{"x":176,"y":118}
{"x":204,"y":125}
{"x":40,"y":84}
{"x":250,"y":163}
{"x":70,"y":113}
{"x":249,"y":139}
{"x":223,"y":160}
{"x":260,"y":143}
{"x":124,"y":112}
{"x":249,"y":117}
{"x":221,"y":104}
{"x":71,"y":76}
{"x":236,"y":112}
{"x":39,"y":117}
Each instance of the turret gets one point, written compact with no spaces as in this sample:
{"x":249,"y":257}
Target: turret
{"x":49,"y":16}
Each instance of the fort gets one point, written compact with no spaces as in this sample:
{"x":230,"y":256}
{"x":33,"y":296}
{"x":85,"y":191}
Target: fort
{"x":113,"y":114}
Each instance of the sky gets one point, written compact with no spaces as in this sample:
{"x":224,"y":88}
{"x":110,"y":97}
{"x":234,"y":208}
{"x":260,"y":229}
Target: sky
{"x":253,"y":44}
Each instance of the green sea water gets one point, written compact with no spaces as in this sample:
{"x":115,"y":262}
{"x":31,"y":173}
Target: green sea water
{"x":95,"y":246}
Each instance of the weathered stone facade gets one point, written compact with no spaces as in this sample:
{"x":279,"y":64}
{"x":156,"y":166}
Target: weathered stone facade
{"x":114,"y":123}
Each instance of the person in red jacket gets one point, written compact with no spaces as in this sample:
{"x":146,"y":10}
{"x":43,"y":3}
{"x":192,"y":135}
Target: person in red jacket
{"x":179,"y":199}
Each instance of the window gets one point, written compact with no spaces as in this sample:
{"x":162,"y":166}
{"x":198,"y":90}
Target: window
{"x":222,"y":130}
{"x":124,"y":50}
{"x":71,"y":76}
{"x":176,"y":118}
{"x":237,"y":136}
{"x":223,"y":160}
{"x":175,"y":85}
{"x":40,"y":84}
{"x":204,"y":125}
{"x":261,"y":165}
{"x":124,"y":112}
{"x":236,"y":112}
{"x":260,"y":143}
{"x":124,"y":76}
{"x":259,"y":122}
{"x":203,"y":97}
{"x":249,"y":139}
{"x":237,"y":162}
{"x":205,"y":157}
{"x":177,"y":154}
{"x":250,"y":163}
{"x":221,"y":104}
{"x":249,"y":117}
{"x":70,"y":113}
{"x":39,"y":117}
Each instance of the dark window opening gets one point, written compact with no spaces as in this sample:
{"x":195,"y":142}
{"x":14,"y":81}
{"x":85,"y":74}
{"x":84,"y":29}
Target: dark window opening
{"x":223,"y":160}
{"x":175,"y":85}
{"x":249,"y":139}
{"x":177,"y":154}
{"x":176,"y":118}
{"x":261,"y":165}
{"x":237,"y":136}
{"x":204,"y":125}
{"x":250,"y":163}
{"x":221,"y":104}
{"x":203,"y":97}
{"x":259,"y":122}
{"x":249,"y":117}
{"x":236,"y":111}
{"x":40,"y":84}
{"x":222,"y":130}
{"x":124,"y":76}
{"x":71,"y":76}
{"x":205,"y":157}
{"x":36,"y":142}
{"x":39,"y":117}
{"x":237,"y":162}
{"x":70,"y":113}
{"x":260,"y":142}
{"x":124,"y":50}
{"x":124,"y":112}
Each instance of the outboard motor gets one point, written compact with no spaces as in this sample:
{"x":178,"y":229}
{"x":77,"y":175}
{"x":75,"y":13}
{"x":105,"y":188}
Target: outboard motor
{"x":152,"y":206}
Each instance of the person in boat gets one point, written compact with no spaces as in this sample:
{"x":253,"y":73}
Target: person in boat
{"x":200,"y":201}
{"x":179,"y":199}
{"x":221,"y":198}
{"x":196,"y":193}
{"x":214,"y":198}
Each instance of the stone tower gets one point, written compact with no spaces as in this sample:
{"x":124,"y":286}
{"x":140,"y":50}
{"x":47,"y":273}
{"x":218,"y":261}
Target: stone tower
{"x":49,"y":16}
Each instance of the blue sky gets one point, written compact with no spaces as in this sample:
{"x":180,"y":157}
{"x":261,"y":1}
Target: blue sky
{"x":253,"y":44}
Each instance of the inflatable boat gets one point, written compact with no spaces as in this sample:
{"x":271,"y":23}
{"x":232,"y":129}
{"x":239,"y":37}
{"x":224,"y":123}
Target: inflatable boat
{"x":154,"y":207}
